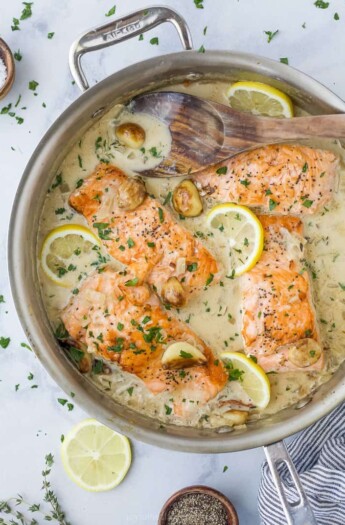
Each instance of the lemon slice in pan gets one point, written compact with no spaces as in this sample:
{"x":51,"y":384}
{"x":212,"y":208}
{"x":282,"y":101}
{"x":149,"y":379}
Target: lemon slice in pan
{"x":67,"y":251}
{"x":243,"y":233}
{"x":260,"y":99}
{"x":253,"y":378}
{"x":95,"y":457}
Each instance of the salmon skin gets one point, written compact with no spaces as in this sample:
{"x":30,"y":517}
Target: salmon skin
{"x":277,"y":179}
{"x":147,"y":239}
{"x":126,"y":324}
{"x":279,"y":326}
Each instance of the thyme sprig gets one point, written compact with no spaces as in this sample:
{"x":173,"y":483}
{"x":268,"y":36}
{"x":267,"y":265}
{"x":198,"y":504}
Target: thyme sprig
{"x":17,"y":511}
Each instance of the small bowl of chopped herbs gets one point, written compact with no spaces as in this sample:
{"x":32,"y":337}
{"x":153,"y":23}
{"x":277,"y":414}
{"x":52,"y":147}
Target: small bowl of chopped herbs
{"x":7,"y":69}
{"x":198,"y":505}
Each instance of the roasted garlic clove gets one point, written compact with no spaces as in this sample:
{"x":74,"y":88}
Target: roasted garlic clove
{"x":186,"y":199}
{"x":131,"y":135}
{"x":304,"y":353}
{"x":130,"y":194}
{"x":182,"y":355}
{"x":236,"y":417}
{"x":173,"y":292}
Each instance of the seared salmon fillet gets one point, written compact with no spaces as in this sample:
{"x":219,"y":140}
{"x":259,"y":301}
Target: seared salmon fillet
{"x":279,"y":179}
{"x":146,"y":238}
{"x":125,"y":323}
{"x":279,"y":325}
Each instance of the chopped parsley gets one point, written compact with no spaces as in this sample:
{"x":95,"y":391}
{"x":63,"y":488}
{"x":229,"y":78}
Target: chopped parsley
{"x":199,"y":4}
{"x":284,"y":60}
{"x":17,"y":55}
{"x":192,"y":267}
{"x":271,"y":35}
{"x":234,"y":373}
{"x":307,"y":203}
{"x":209,"y":279}
{"x":305,"y":167}
{"x":111,"y":11}
{"x":272,"y":204}
{"x":50,"y":35}
{"x":130,"y":242}
{"x":120,"y":326}
{"x":320,"y":4}
{"x":161,"y":215}
{"x":132,"y":282}
{"x":201,"y":49}
{"x":97,"y":366}
{"x":185,"y":355}
{"x":154,"y":41}
{"x":245,"y":182}
{"x":222,"y":170}
{"x":168,"y":410}
{"x":4,"y":342}
{"x":103,"y":230}
{"x":33,"y":85}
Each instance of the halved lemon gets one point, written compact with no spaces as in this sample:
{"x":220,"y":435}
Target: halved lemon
{"x":242,"y":234}
{"x":67,"y":251}
{"x":95,"y":457}
{"x":260,"y":99}
{"x":253,"y":378}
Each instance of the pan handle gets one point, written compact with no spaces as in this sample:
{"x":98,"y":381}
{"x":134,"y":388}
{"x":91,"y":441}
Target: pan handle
{"x":120,"y":30}
{"x":300,"y":511}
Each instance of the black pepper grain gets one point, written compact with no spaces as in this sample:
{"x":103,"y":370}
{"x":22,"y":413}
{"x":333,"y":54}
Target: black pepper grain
{"x":196,"y":509}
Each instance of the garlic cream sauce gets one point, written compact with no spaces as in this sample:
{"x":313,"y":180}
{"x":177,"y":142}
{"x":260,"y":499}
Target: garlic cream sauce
{"x":215,"y":313}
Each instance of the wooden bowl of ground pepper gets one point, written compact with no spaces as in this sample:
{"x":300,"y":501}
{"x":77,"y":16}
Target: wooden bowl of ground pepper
{"x":198,"y":505}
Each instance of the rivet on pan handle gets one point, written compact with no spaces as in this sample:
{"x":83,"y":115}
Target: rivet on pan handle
{"x":300,"y":511}
{"x":120,"y":30}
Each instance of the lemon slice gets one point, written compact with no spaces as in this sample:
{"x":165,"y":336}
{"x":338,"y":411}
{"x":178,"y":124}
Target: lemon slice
{"x":95,"y":457}
{"x":253,"y":379}
{"x":260,"y":99}
{"x":67,"y":251}
{"x":240,"y":232}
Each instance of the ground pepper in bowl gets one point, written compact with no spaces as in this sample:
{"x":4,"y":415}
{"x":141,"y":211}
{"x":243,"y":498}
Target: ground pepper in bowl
{"x":196,"y":509}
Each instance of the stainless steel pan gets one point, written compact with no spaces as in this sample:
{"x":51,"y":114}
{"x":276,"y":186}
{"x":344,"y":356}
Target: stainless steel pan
{"x":69,"y":127}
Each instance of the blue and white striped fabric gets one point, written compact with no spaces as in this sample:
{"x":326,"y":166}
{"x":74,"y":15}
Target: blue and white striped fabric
{"x":319,"y":457}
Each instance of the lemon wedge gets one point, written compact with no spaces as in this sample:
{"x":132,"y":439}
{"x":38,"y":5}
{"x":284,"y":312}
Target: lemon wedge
{"x":182,"y":355}
{"x":67,"y":251}
{"x":253,"y":378}
{"x":241,"y":232}
{"x":95,"y":457}
{"x":260,"y":99}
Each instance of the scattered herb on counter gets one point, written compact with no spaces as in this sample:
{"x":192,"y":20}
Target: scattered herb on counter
{"x":141,"y":37}
{"x":199,"y":4}
{"x":15,"y":26}
{"x":4,"y":342}
{"x":284,"y":60}
{"x":320,"y":4}
{"x":336,"y":16}
{"x":205,"y":30}
{"x":2,"y":299}
{"x":33,"y":85}
{"x":111,"y":11}
{"x":201,"y":49}
{"x":27,"y":11}
{"x":50,"y":35}
{"x":154,"y":41}
{"x":271,"y":35}
{"x":225,"y":468}
{"x":25,"y":345}
{"x":17,"y":55}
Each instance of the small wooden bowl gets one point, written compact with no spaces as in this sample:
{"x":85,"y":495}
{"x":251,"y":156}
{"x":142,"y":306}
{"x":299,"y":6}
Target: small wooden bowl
{"x":201,"y":489}
{"x":7,"y":57}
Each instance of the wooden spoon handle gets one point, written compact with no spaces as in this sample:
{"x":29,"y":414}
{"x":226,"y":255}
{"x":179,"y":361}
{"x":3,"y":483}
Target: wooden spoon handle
{"x":331,"y":126}
{"x":246,"y":129}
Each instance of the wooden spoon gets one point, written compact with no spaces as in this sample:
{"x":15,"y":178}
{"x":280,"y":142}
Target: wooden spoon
{"x":7,"y":57}
{"x":205,"y":132}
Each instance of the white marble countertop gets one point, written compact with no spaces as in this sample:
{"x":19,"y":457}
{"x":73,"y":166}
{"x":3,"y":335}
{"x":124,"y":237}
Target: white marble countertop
{"x":31,"y":418}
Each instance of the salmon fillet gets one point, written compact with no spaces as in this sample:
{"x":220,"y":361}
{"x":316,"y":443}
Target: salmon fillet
{"x":147,"y":239}
{"x":126,"y":324}
{"x":279,"y":326}
{"x":280,"y":179}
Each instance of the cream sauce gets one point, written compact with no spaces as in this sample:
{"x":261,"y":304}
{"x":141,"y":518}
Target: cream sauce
{"x":215,"y":314}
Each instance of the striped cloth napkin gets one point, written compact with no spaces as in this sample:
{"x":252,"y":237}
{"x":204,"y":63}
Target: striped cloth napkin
{"x":319,"y":457}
